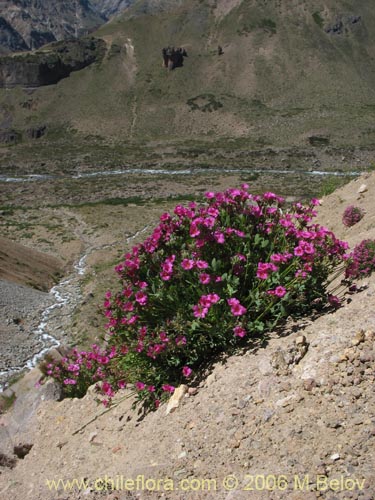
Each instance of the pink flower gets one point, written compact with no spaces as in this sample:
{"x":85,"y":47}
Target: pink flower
{"x":186,"y":371}
{"x":334,"y":301}
{"x":165,"y":276}
{"x":236,"y":308}
{"x":219,"y":237}
{"x":163,"y":337}
{"x":298,"y":251}
{"x":165,"y":217}
{"x":209,"y":195}
{"x":187,"y":264}
{"x":213,"y":297}
{"x":180,"y":340}
{"x":140,"y":386}
{"x":167,"y":388}
{"x":239,"y":331}
{"x":280,"y":291}
{"x":204,"y":278}
{"x":201,"y":264}
{"x":70,"y":381}
{"x":200,"y":311}
{"x":141,"y":298}
{"x":194,"y":231}
{"x":121,"y":384}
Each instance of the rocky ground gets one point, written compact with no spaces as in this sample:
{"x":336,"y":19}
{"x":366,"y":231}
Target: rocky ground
{"x":289,"y":418}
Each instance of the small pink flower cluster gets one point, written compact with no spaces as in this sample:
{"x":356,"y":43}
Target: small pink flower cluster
{"x":352,"y":215}
{"x":205,"y":302}
{"x":361,"y":261}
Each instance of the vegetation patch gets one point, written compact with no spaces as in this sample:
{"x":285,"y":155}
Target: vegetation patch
{"x":210,"y":277}
{"x":204,"y":102}
{"x":318,"y":19}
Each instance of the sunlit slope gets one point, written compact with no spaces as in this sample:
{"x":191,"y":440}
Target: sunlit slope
{"x":288,"y":70}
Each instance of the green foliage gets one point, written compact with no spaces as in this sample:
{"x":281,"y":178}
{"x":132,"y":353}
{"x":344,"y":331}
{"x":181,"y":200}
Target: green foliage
{"x":209,"y":277}
{"x":318,"y":19}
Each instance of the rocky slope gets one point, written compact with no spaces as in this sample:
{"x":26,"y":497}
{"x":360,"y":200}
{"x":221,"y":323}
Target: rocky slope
{"x":50,"y":65}
{"x":26,"y":266}
{"x":37,"y":23}
{"x":291,"y":417}
{"x":297,"y":75}
{"x":29,"y":24}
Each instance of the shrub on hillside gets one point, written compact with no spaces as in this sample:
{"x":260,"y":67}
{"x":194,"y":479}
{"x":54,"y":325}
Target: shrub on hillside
{"x":352,"y":215}
{"x":208,"y":277}
{"x":362,"y":260}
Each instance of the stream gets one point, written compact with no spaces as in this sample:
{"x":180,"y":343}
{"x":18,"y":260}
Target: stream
{"x":186,"y":171}
{"x":54,"y":318}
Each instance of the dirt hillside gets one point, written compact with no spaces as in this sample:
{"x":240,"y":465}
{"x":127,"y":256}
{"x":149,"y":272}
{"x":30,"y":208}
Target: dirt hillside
{"x":289,"y":419}
{"x":26,"y":266}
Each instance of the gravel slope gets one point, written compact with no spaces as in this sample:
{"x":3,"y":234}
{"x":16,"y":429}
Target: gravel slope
{"x":298,"y":410}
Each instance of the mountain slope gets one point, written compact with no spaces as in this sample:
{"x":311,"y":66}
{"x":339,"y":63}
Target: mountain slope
{"x":29,"y":24}
{"x":293,"y":415}
{"x":285,"y":73}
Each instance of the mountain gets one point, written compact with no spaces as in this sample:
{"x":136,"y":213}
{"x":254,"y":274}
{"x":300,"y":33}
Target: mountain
{"x":30,"y":24}
{"x":110,"y":8}
{"x":257,"y":75}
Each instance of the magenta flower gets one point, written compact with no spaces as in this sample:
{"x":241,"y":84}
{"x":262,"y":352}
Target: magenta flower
{"x":236,"y":308}
{"x":187,"y":264}
{"x":213,"y":297}
{"x":194,"y":231}
{"x":163,"y":337}
{"x":200,"y":311}
{"x":141,"y":298}
{"x":204,"y":278}
{"x":180,"y":340}
{"x":239,"y":331}
{"x":186,"y":371}
{"x":201,"y":264}
{"x":140,"y":386}
{"x":334,"y":301}
{"x":70,"y":381}
{"x":219,"y":237}
{"x":167,"y":388}
{"x":280,"y":291}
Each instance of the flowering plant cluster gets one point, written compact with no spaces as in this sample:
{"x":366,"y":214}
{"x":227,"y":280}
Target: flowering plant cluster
{"x":352,"y":215}
{"x":208,"y":277}
{"x":362,"y":260}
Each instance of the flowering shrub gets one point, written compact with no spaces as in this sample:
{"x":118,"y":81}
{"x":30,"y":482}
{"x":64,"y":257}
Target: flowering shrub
{"x":206,"y":278}
{"x":352,"y":215}
{"x":362,"y":260}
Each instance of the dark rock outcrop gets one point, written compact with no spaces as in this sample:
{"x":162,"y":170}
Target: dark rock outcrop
{"x":9,"y":136}
{"x":49,"y":66}
{"x":342,"y":24}
{"x":173,"y":58}
{"x":10,"y":38}
{"x":36,"y":132}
